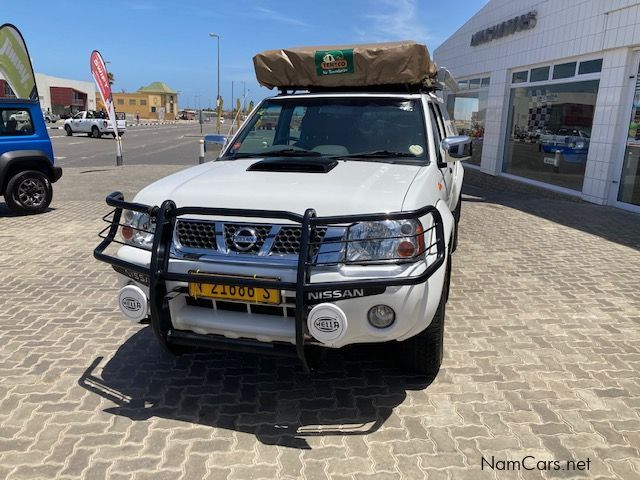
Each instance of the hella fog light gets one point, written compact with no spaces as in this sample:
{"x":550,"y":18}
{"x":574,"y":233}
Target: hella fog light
{"x":381,"y":316}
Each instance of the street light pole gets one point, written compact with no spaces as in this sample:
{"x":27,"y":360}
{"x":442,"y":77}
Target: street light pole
{"x":217,"y":37}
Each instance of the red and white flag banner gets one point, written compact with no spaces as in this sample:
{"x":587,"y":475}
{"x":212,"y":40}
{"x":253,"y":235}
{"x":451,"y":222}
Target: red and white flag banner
{"x":100,"y":75}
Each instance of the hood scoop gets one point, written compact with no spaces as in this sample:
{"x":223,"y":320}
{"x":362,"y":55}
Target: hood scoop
{"x":306,"y":165}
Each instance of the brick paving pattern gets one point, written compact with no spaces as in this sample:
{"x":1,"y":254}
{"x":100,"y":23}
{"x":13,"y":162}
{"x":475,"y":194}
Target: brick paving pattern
{"x":542,"y":359}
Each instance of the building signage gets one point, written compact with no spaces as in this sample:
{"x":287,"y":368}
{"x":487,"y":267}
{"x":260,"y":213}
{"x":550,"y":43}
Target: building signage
{"x":517,"y":24}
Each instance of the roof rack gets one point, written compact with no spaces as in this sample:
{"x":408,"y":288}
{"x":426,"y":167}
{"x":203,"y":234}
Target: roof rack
{"x":397,"y":88}
{"x":444,"y":80}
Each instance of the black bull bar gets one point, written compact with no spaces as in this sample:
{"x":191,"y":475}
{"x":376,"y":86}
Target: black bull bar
{"x":158,"y":272}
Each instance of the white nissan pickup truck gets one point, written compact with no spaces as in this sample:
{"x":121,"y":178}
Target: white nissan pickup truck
{"x":329,"y":219}
{"x":94,"y":123}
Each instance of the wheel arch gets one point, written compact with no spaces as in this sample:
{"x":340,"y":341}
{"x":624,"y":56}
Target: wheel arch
{"x":21,"y":160}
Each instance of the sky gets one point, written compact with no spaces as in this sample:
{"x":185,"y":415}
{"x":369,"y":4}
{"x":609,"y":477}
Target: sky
{"x":162,"y":40}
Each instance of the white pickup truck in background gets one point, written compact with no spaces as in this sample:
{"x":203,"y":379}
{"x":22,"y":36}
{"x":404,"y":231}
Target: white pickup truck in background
{"x":94,"y":123}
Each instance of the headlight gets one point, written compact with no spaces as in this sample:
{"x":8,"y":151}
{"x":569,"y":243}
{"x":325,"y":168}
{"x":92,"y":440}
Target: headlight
{"x":138,"y":229}
{"x":580,"y":145}
{"x":387,"y":240}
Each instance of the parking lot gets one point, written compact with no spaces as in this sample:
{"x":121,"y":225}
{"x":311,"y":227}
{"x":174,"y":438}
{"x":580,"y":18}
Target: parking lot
{"x":170,"y":144}
{"x":542,"y":354}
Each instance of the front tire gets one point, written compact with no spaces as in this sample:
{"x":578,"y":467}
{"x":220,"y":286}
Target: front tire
{"x":29,"y":192}
{"x":95,"y":132}
{"x":422,"y":353}
{"x":67,"y":129}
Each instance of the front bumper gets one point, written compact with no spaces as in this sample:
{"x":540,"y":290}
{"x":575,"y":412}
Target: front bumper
{"x":174,"y":321}
{"x":57,"y":174}
{"x":413,"y":305}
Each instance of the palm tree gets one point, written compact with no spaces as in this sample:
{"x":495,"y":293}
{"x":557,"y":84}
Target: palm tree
{"x":112,"y":79}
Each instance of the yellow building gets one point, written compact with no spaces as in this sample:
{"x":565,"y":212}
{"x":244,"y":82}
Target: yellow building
{"x":155,"y":101}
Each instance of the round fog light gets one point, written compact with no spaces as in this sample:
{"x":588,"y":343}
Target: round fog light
{"x":381,"y":316}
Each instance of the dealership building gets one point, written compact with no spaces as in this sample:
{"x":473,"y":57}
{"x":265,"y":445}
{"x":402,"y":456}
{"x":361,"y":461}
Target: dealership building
{"x":59,"y":95}
{"x":549,"y":90}
{"x":65,"y":96}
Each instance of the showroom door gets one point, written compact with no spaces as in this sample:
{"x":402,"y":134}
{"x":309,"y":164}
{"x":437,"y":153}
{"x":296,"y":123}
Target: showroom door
{"x":627,"y":195}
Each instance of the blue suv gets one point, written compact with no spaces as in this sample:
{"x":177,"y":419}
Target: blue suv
{"x":27,"y":167}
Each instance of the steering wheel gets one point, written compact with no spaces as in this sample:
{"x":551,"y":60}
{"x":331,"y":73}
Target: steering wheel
{"x":289,"y":138}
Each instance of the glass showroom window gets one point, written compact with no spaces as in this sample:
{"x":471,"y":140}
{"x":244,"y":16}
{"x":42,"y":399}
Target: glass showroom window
{"x":549,"y":132}
{"x":630,"y":181}
{"x":467,"y":111}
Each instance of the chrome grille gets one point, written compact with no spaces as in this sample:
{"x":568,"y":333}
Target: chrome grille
{"x":287,"y":241}
{"x":271,"y":240}
{"x":193,"y":234}
{"x":262,"y":231}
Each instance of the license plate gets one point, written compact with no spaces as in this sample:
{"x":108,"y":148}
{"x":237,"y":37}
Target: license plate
{"x":239,"y":293}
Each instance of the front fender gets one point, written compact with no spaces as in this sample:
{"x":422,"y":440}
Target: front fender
{"x":456,"y":187}
{"x":448,"y":223}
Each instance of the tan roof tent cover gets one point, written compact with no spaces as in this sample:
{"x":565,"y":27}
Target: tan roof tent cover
{"x":392,"y":63}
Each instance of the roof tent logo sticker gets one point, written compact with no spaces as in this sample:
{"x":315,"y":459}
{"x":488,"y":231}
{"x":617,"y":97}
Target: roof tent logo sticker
{"x":334,"y":62}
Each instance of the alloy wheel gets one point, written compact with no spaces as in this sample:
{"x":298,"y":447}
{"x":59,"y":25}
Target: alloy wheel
{"x":32,"y":192}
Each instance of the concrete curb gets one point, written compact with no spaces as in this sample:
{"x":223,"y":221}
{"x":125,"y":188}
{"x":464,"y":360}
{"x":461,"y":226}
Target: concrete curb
{"x":150,"y":123}
{"x":141,"y":124}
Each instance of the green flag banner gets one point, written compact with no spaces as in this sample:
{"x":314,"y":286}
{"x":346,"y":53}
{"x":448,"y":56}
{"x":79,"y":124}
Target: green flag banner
{"x":15,"y":65}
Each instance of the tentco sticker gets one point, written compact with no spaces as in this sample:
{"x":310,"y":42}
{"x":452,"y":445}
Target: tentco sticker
{"x":333,"y":62}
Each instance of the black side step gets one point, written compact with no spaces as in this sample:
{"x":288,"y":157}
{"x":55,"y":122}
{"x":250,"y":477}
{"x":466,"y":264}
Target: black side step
{"x":218,"y":342}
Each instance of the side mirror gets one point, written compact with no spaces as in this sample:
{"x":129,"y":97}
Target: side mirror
{"x":457,"y":148}
{"x":215,"y":140}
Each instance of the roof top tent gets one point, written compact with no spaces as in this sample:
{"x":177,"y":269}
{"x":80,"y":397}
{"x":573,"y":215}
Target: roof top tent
{"x":16,"y":71}
{"x":404,"y":66}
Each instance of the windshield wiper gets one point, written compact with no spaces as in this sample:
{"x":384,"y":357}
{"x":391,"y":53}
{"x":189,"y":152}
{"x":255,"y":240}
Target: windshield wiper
{"x":376,"y":154}
{"x":285,"y":152}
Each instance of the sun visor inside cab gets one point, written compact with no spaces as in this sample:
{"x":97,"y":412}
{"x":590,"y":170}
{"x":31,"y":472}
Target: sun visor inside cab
{"x":326,"y":67}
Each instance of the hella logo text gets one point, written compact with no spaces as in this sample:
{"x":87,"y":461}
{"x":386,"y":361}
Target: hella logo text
{"x":326,"y":324}
{"x":131,"y":304}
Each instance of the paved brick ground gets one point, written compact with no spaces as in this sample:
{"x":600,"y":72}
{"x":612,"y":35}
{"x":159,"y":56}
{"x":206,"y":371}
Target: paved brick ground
{"x":542,"y":359}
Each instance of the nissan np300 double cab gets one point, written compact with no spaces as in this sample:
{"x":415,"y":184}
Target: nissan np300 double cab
{"x":329,"y":219}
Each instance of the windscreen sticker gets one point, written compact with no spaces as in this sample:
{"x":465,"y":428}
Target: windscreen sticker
{"x":416,"y":149}
{"x":334,"y":62}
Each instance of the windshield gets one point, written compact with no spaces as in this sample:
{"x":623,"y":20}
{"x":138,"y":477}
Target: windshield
{"x":377,"y":128}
